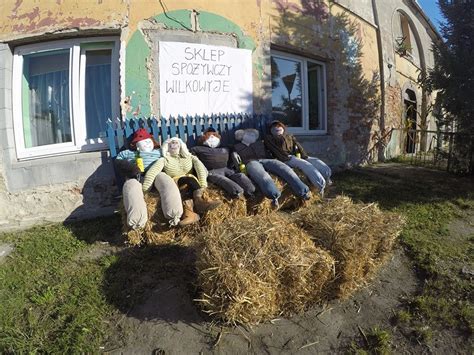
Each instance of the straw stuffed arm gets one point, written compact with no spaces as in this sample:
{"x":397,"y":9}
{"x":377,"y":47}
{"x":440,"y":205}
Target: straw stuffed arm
{"x":299,"y":147}
{"x":200,"y":170}
{"x":236,"y":160}
{"x":151,"y":174}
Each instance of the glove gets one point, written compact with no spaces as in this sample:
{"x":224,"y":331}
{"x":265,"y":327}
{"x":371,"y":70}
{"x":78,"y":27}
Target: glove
{"x":127,"y":169}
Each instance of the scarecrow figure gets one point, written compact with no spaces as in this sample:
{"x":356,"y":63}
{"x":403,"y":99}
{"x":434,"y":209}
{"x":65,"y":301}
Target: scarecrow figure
{"x":251,"y":152}
{"x":178,"y":167}
{"x":130,"y":163}
{"x":284,"y":147}
{"x":216,"y":160}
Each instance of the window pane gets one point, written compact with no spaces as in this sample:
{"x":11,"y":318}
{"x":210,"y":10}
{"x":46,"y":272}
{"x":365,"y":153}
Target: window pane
{"x":98,"y":91}
{"x":313,"y":96}
{"x":46,"y":117}
{"x":286,"y":93}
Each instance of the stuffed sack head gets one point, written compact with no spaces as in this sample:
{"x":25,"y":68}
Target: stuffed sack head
{"x":247,"y":136}
{"x":210,"y":138}
{"x":277,"y":128}
{"x":143,"y":141}
{"x":175,"y":147}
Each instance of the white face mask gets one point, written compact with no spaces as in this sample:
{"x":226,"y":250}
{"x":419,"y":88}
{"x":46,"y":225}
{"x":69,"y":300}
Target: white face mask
{"x":173,"y":147}
{"x":145,"y":145}
{"x":212,"y":141}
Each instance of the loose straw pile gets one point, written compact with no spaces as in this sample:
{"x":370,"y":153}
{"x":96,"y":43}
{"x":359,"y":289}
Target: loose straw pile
{"x":358,"y":236}
{"x":255,"y":268}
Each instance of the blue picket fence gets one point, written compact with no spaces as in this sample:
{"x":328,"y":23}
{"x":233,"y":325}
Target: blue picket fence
{"x":187,"y":128}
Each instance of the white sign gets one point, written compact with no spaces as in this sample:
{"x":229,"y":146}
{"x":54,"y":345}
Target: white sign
{"x":202,"y":79}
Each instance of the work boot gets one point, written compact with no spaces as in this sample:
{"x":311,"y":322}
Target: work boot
{"x":188,"y":217}
{"x":200,"y":204}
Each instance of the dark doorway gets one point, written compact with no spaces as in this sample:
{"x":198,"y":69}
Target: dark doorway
{"x":410,"y":120}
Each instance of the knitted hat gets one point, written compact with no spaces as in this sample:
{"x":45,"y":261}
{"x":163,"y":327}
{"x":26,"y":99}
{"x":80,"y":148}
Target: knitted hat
{"x":277,"y":123}
{"x":140,"y":134}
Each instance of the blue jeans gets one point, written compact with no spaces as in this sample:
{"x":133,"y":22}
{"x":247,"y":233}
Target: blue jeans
{"x":264,"y":181}
{"x":309,"y":169}
{"x":322,"y":167}
{"x":233,"y":183}
{"x":258,"y":173}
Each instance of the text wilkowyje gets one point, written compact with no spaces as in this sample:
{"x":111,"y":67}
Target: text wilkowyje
{"x":193,"y":65}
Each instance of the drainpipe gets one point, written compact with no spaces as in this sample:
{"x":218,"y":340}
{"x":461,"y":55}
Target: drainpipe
{"x":381,"y":155}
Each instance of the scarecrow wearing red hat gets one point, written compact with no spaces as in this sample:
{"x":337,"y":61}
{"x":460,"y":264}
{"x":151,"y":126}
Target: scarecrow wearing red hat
{"x":130,"y":163}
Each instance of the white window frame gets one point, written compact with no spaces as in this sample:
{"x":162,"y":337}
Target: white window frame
{"x":77,"y":65}
{"x":322,"y":104}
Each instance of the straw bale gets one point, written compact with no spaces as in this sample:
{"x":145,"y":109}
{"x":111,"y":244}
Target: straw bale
{"x":393,"y":224}
{"x":260,"y":205}
{"x":157,"y":230}
{"x":356,"y":235}
{"x":228,"y":210}
{"x":255,"y":268}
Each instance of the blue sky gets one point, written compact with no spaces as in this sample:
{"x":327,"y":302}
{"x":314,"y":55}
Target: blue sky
{"x":431,"y":9}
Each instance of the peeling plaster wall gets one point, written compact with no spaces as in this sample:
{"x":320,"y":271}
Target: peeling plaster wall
{"x":362,"y":8}
{"x":401,"y":72}
{"x":343,"y":36}
{"x":348,"y":45}
{"x":23,"y":19}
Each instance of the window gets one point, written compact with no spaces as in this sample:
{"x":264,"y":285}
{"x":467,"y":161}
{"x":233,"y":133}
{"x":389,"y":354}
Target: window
{"x":405,"y":41}
{"x":298,"y":93}
{"x":64,"y":92}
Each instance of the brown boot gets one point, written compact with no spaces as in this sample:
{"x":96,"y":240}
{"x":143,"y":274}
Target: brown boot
{"x":188,"y":217}
{"x":201,"y":205}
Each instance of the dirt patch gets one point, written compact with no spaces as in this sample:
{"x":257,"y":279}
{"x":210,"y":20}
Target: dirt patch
{"x":168,"y":320}
{"x":97,"y":251}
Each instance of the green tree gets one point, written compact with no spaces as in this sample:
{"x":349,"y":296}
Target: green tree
{"x":453,"y":76}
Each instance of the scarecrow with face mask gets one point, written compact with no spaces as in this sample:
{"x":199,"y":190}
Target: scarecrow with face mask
{"x":178,"y":167}
{"x":284,"y":147}
{"x":216,"y":160}
{"x":251,"y":152}
{"x":144,"y":147}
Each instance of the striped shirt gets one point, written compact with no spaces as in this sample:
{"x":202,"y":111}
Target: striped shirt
{"x":174,"y":167}
{"x":148,"y":157}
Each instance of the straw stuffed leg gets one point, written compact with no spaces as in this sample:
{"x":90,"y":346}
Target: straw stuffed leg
{"x":185,"y":170}
{"x":284,"y":147}
{"x":131,"y":164}
{"x":216,"y":160}
{"x":251,"y":152}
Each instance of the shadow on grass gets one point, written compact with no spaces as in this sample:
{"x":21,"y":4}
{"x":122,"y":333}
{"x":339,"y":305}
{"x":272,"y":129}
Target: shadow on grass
{"x":395,"y":185}
{"x":101,"y":229}
{"x":153,"y":283}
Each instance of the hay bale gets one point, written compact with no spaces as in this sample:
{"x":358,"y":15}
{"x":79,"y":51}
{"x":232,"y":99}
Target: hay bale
{"x":393,"y":224}
{"x":229,"y":209}
{"x":356,"y":235}
{"x":157,"y":229}
{"x":259,"y":205}
{"x":255,"y":268}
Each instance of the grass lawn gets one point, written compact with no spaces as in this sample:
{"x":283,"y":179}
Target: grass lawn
{"x":53,"y":292}
{"x":429,"y":203}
